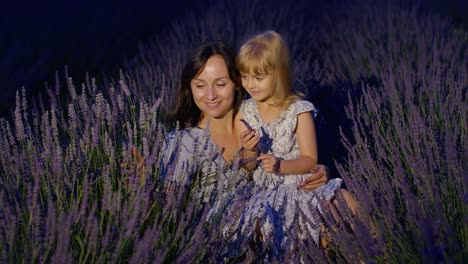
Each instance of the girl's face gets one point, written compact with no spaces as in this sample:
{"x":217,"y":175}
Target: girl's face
{"x":212,"y":89}
{"x":260,"y":87}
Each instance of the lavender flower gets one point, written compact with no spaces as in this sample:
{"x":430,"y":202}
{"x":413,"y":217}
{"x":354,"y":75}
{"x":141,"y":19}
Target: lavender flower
{"x":20,"y":135}
{"x":124,"y":87}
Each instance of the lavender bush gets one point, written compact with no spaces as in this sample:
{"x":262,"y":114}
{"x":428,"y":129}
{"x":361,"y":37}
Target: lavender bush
{"x":64,"y":196}
{"x":406,"y":151}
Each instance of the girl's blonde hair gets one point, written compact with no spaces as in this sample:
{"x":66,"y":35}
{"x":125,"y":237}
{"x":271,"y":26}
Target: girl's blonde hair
{"x":267,"y":53}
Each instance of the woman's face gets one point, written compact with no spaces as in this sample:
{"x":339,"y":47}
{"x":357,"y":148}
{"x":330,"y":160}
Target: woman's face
{"x":213,"y":90}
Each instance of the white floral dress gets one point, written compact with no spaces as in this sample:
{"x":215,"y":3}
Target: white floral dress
{"x":277,"y":207}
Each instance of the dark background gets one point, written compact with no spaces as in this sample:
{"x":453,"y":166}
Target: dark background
{"x":38,"y":38}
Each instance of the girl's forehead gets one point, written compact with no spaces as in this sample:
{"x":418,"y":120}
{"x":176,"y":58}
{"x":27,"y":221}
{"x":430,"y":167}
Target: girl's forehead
{"x":255,"y":71}
{"x":255,"y":66}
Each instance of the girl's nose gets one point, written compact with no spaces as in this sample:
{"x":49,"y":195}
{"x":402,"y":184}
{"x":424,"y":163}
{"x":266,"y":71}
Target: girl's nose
{"x":248,"y":83}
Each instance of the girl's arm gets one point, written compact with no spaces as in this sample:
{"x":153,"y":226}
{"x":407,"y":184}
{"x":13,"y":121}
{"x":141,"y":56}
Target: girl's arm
{"x":249,"y":155}
{"x":305,"y":134}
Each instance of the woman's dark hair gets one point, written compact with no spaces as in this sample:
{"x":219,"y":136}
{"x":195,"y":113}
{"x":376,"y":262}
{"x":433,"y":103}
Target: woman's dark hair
{"x":186,"y":111}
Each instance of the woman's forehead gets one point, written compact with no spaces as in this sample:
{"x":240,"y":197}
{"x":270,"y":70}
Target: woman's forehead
{"x":215,"y":68}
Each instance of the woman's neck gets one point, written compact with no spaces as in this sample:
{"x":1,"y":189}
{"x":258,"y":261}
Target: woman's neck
{"x":225,"y":123}
{"x":223,"y":134}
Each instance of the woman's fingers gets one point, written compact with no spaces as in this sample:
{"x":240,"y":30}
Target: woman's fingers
{"x":312,"y":182}
{"x":315,"y":169}
{"x":310,"y":187}
{"x":313,"y":177}
{"x":318,"y":177}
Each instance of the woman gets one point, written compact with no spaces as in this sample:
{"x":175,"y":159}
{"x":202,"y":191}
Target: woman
{"x":208,"y":142}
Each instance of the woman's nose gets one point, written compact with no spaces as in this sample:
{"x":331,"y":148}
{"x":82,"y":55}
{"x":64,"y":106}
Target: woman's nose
{"x":212,"y":93}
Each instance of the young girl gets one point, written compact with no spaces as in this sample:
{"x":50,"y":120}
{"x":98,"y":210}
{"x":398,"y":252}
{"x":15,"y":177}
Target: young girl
{"x":280,"y":127}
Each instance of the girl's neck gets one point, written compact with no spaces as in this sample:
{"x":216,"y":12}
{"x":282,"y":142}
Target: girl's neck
{"x":269,"y":111}
{"x":267,"y":105}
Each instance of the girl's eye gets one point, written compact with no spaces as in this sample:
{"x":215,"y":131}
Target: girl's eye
{"x":259,"y":78}
{"x":221,"y":84}
{"x":199,"y":86}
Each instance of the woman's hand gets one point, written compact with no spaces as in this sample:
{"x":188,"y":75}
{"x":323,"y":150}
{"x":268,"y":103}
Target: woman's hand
{"x":318,"y":177}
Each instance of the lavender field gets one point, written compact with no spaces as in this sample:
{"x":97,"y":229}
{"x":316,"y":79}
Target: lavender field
{"x":390,"y":80}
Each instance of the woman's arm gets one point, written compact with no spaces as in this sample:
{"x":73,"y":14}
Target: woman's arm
{"x":318,"y":177}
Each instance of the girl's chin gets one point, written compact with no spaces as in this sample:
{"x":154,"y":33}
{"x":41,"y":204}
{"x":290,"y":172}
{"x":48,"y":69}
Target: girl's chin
{"x":255,"y":95}
{"x":260,"y":98}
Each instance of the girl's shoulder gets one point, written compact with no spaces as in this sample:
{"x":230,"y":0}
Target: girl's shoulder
{"x":248,"y":106}
{"x":248,"y":103}
{"x":300,"y":106}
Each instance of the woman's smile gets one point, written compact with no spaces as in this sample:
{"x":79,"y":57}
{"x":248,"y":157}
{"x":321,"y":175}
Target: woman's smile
{"x":212,"y":89}
{"x":212,"y":104}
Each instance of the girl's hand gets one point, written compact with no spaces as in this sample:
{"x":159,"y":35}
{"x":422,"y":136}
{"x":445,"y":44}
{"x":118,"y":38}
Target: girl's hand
{"x":270,"y":163}
{"x":317,"y":178}
{"x":249,"y":140}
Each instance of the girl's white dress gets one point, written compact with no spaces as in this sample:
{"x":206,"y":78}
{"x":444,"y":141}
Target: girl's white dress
{"x":283,"y":213}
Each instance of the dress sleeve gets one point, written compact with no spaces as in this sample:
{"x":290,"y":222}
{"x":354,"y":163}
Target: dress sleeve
{"x":168,"y":155}
{"x":302,"y":106}
{"x":174,"y":161}
{"x":297,"y":108}
{"x":244,"y":109}
{"x":248,"y":110}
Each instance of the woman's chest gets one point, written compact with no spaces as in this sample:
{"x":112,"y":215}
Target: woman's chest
{"x":228,"y":144}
